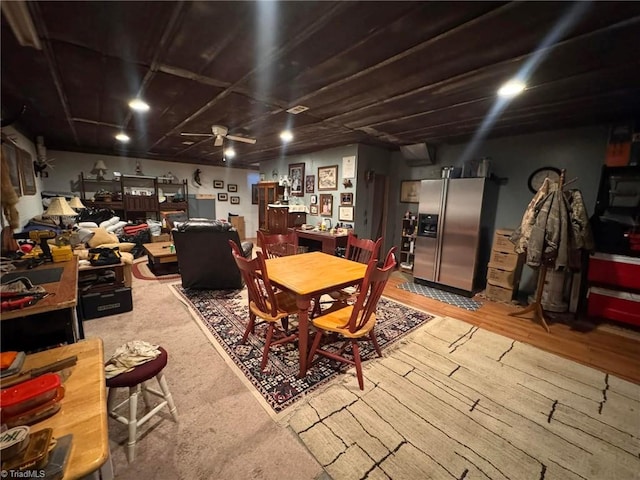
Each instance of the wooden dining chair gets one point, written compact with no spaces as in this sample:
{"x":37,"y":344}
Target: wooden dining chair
{"x":360,"y":250}
{"x":270,"y":243}
{"x":265,"y":302}
{"x":355,"y":322}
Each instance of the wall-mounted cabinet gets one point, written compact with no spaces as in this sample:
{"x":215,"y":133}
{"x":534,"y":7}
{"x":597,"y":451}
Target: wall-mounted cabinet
{"x":268,"y":192}
{"x":135,"y":197}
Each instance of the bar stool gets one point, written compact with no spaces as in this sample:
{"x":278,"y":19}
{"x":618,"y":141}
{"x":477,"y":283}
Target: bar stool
{"x":135,"y":381}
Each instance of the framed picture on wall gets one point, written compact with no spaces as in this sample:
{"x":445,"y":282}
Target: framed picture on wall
{"x":296,"y":177}
{"x":314,"y":199}
{"x":235,"y":200}
{"x":218,"y":184}
{"x":410,"y":191}
{"x":232,"y":187}
{"x":313,"y":209}
{"x":328,"y":178}
{"x":345,"y":214}
{"x":309,"y":184}
{"x":326,"y":204}
{"x":254,"y":194}
{"x":223,"y":197}
{"x":10,"y":162}
{"x":346,"y":198}
{"x":27,"y":175}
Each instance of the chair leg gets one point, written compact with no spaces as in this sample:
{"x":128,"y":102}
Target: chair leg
{"x":251,"y":326}
{"x":358,"y":362}
{"x":285,"y":325}
{"x":372,"y":337}
{"x":111,"y":398}
{"x":133,"y":422}
{"x":314,"y":346}
{"x":167,"y":395}
{"x":145,"y":396}
{"x":267,"y":346}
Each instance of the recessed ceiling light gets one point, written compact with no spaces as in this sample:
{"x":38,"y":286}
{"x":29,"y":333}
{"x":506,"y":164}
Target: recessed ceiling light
{"x":297,"y":109}
{"x":122,"y":137}
{"x":138,"y":105}
{"x":511,"y":88}
{"x":286,"y":136}
{"x":229,"y":153}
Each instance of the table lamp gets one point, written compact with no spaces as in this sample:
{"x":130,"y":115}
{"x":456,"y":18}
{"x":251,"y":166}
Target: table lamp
{"x":76,"y":203}
{"x":59,"y":208}
{"x":99,"y":168}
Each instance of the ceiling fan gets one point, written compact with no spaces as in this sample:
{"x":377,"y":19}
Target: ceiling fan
{"x":220,"y":133}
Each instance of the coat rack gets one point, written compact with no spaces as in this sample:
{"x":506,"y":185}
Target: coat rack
{"x":536,"y":305}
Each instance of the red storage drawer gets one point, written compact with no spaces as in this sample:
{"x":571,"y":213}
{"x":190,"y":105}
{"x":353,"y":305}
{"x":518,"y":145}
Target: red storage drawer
{"x":614,"y":305}
{"x":617,"y":271}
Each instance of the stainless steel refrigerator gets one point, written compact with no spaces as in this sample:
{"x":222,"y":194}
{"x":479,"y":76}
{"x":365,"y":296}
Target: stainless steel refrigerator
{"x":455,"y":222}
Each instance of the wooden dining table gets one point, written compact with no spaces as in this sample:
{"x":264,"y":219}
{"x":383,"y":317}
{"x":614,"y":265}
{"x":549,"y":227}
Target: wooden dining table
{"x":307,"y":276}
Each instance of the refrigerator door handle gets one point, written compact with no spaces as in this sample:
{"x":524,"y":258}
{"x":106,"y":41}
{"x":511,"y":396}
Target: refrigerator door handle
{"x":443,"y":213}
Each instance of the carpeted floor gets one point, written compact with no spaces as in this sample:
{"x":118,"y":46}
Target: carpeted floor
{"x":224,"y":315}
{"x":454,"y":401}
{"x":441,"y":295}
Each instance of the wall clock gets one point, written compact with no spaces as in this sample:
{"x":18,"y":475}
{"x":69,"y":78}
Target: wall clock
{"x":536,"y":179}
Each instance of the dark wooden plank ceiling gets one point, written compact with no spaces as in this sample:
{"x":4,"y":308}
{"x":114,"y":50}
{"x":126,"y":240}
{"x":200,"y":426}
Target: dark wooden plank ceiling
{"x":380,"y":73}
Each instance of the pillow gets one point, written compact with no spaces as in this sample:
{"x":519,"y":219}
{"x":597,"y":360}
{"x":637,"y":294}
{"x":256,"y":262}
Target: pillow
{"x":124,"y":246}
{"x":116,"y":226}
{"x":88,"y":225}
{"x":102,"y":236}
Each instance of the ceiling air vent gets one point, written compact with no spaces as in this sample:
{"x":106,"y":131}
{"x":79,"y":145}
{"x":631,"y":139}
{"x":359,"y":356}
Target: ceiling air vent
{"x":297,"y":109}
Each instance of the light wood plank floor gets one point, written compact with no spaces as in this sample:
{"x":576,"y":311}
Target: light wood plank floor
{"x":611,"y":350}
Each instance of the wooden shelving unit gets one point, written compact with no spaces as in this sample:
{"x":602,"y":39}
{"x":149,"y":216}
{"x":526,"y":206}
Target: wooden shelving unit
{"x":407,"y":243}
{"x":134,"y":196}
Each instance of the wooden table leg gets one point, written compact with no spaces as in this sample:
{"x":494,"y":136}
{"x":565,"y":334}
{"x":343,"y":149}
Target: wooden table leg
{"x":303,"y":332}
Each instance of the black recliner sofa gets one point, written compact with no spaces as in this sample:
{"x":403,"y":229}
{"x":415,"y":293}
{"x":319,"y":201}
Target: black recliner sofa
{"x":204,"y":255}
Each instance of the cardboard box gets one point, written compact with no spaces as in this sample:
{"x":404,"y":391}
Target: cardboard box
{"x":238,"y":224}
{"x":501,"y":241}
{"x":163,"y":237}
{"x":504,"y":260}
{"x":504,"y":278}
{"x":500,"y":294}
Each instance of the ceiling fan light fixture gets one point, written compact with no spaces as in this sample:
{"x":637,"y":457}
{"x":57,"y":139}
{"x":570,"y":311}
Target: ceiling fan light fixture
{"x":122,"y":137}
{"x":229,"y":153}
{"x":512,"y":88}
{"x":139,"y":105}
{"x":286,"y":136}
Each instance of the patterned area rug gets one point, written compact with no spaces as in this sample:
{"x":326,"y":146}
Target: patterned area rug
{"x":223,"y":314}
{"x":441,"y":295}
{"x":454,"y":401}
{"x":140,"y":270}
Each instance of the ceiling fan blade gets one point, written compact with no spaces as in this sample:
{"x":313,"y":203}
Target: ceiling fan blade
{"x":241,"y":139}
{"x":218,"y":142}
{"x":196,"y":134}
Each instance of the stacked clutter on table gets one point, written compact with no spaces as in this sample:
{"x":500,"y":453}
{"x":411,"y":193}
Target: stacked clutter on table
{"x":504,"y":269}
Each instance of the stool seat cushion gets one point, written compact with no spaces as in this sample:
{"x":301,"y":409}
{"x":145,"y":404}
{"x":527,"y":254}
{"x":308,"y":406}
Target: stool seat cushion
{"x":141,"y":373}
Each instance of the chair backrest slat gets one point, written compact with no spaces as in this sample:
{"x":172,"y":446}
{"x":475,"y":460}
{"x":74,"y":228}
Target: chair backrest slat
{"x":267,"y":240}
{"x":375,"y":280}
{"x":362,"y":250}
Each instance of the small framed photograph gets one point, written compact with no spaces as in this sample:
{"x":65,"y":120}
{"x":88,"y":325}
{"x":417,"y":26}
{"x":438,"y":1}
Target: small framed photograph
{"x":223,"y":197}
{"x":254,"y":194}
{"x":313,"y":209}
{"x":328,"y":178}
{"x":410,"y":191}
{"x":235,"y":200}
{"x":218,"y":184}
{"x":296,"y":177}
{"x":309,"y":184}
{"x":10,"y":155}
{"x":27,"y":174}
{"x":326,"y":204}
{"x":345,"y":214}
{"x":346,"y":198}
{"x":314,"y":199}
{"x":232,"y":187}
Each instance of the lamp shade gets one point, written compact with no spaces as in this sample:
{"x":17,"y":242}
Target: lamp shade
{"x":59,"y":208}
{"x":76,"y":203}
